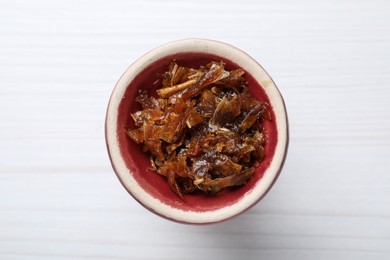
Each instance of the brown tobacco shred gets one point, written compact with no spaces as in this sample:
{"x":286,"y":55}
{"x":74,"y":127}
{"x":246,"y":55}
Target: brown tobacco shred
{"x":204,"y":130}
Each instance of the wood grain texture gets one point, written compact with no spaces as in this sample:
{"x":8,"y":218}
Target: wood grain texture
{"x":59,"y":61}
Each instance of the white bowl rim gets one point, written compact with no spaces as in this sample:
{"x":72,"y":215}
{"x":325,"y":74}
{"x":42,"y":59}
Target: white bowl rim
{"x":258,"y":73}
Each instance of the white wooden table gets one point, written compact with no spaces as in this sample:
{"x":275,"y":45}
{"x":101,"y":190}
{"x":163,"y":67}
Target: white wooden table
{"x":59,"y":61}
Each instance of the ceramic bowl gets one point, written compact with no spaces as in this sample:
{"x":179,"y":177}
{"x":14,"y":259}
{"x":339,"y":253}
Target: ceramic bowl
{"x":132,"y":166}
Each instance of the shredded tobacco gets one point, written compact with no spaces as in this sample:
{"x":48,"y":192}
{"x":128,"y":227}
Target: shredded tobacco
{"x":203,"y":131}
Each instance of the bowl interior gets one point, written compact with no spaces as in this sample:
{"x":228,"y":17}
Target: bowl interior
{"x":138,"y":162}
